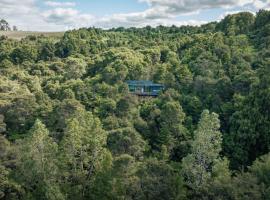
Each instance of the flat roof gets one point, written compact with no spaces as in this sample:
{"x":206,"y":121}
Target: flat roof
{"x":143,"y":83}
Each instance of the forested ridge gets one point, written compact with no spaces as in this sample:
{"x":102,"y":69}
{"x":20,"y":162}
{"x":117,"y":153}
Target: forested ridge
{"x":70,"y":129}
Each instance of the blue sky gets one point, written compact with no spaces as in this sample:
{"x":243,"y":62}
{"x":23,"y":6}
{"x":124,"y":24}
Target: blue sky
{"x":59,"y":15}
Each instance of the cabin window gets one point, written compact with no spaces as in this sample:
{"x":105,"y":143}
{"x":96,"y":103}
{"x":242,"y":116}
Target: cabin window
{"x":144,"y":88}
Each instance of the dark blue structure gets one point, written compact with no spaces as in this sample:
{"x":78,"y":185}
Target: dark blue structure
{"x":144,"y":88}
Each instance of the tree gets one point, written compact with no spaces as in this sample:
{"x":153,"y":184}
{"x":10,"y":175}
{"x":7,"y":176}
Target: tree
{"x":254,"y":183}
{"x":151,"y":130}
{"x":126,"y":105}
{"x":260,"y":170}
{"x":240,"y":23}
{"x":9,"y":188}
{"x":120,"y":180}
{"x":21,"y":114}
{"x":17,"y":105}
{"x":104,"y":143}
{"x":15,"y":28}
{"x":61,"y":113}
{"x":262,"y":18}
{"x":159,"y":180}
{"x":75,"y":68}
{"x":24,"y":53}
{"x":37,"y":170}
{"x":172,"y":132}
{"x":4,"y":26}
{"x":198,"y":166}
{"x":47,"y":50}
{"x":249,"y":136}
{"x":106,"y":106}
{"x":126,"y":141}
{"x":221,"y":185}
{"x":81,"y":153}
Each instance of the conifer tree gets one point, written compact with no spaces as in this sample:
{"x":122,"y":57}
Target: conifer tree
{"x":199,"y":165}
{"x":37,"y":168}
{"x":82,"y":152}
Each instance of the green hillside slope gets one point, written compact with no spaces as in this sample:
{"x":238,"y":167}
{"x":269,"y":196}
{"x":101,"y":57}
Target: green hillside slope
{"x":72,"y":128}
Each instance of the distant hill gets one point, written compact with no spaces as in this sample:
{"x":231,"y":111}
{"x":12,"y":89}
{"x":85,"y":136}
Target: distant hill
{"x":22,"y":34}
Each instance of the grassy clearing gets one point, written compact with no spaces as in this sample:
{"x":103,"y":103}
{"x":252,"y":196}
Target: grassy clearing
{"x":22,"y":34}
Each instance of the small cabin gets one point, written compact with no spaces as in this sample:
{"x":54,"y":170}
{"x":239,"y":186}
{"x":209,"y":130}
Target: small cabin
{"x":144,"y":88}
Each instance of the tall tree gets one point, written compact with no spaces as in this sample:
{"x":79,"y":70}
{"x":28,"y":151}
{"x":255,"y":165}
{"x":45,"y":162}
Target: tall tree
{"x":4,"y":25}
{"x":81,"y":153}
{"x":37,"y":169}
{"x":198,"y":166}
{"x":172,"y":132}
{"x":249,"y":136}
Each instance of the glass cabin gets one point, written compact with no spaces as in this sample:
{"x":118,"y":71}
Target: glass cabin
{"x":144,"y":88}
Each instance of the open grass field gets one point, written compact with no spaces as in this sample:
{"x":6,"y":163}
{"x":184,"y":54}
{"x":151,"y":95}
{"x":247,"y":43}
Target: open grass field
{"x":22,"y":34}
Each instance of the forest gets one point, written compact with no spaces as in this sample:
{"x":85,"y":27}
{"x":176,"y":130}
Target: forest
{"x":70,"y":129}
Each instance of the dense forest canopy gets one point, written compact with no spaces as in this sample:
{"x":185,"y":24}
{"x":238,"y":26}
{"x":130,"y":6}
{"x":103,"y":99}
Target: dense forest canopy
{"x":69,"y":129}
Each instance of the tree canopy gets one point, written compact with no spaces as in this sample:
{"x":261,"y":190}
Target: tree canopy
{"x":70,"y":128}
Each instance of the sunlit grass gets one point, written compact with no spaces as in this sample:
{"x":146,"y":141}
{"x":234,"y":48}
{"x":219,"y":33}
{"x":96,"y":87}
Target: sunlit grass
{"x":22,"y":34}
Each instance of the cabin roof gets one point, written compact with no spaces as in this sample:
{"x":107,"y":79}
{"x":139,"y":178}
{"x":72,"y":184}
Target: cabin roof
{"x":143,"y":83}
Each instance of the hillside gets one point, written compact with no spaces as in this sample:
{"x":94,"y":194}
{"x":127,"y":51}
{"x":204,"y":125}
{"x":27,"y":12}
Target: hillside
{"x":72,"y":128}
{"x":22,"y":34}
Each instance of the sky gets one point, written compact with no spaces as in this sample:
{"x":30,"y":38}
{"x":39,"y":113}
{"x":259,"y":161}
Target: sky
{"x":61,"y":15}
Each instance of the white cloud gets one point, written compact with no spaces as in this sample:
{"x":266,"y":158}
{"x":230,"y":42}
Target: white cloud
{"x":15,"y":7}
{"x":165,"y":12}
{"x":26,"y":16}
{"x":19,"y":12}
{"x":67,"y":16}
{"x":178,"y":7}
{"x":62,"y":15}
{"x":141,"y":19}
{"x":262,"y":4}
{"x":59,"y":4}
{"x":74,"y":19}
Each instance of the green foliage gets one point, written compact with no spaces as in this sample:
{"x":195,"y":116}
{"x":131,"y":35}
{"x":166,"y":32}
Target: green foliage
{"x":81,"y":153}
{"x":160,"y":181}
{"x":171,"y":118}
{"x":37,"y":168}
{"x":126,"y":141}
{"x":9,"y":189}
{"x":75,"y":132}
{"x":260,"y":170}
{"x":46,"y":52}
{"x":241,"y":23}
{"x":250,"y":123}
{"x":75,"y":68}
{"x":24,"y":53}
{"x":203,"y":161}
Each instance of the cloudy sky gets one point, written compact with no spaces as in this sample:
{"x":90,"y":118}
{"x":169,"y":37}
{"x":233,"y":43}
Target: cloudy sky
{"x":58,"y":15}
